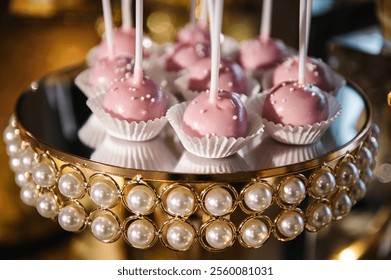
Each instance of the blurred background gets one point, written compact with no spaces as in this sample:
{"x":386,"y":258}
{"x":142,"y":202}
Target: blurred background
{"x":41,"y":36}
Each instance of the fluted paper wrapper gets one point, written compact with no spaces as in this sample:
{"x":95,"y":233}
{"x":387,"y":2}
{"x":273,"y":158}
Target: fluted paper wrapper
{"x":214,"y":146}
{"x":92,"y":133}
{"x":189,"y":163}
{"x":133,"y":131}
{"x":297,"y":135}
{"x":148,"y":155}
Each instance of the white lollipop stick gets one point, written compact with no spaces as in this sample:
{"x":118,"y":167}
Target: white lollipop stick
{"x":204,"y":12}
{"x":108,"y":27}
{"x":193,"y":5}
{"x":126,"y":10}
{"x":266,"y":19}
{"x":217,"y":21}
{"x":138,"y":74}
{"x":302,"y":41}
{"x":308,"y":21}
{"x":210,"y":15}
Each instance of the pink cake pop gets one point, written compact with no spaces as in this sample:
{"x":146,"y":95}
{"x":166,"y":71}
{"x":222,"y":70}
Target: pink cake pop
{"x":216,"y":113}
{"x":132,"y":101}
{"x":293,"y":104}
{"x":184,"y":55}
{"x":123,"y":41}
{"x":231,"y":76}
{"x":227,"y":117}
{"x":262,"y":52}
{"x":136,"y":98}
{"x":107,"y":71}
{"x":297,"y":103}
{"x":317,"y":73}
{"x":195,"y":32}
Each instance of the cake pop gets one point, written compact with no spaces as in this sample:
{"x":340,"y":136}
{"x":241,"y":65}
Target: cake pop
{"x":107,"y":71}
{"x":296,"y":112}
{"x":217,"y":112}
{"x":231,"y":76}
{"x":183,"y":55}
{"x":195,"y":31}
{"x":317,"y":73}
{"x":226,"y":117}
{"x":297,"y":105}
{"x":123,"y":38}
{"x":263,"y":52}
{"x":136,"y":98}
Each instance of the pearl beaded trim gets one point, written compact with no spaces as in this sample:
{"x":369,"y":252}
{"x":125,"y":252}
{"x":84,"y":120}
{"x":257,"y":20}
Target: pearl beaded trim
{"x":178,"y":214}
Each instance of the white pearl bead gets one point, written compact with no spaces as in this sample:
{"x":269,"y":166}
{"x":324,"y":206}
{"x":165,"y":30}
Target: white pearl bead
{"x":218,"y":202}
{"x":14,"y":148}
{"x":12,"y":122}
{"x":104,"y":194}
{"x":358,"y":191}
{"x":254,"y":233}
{"x":141,"y":233}
{"x":44,"y":175}
{"x":367,"y":176}
{"x":347,"y":174}
{"x":341,"y":205}
{"x":290,"y":224}
{"x":71,"y":185}
{"x":180,"y":201}
{"x":319,"y":216}
{"x":180,"y":235}
{"x":323,"y":183}
{"x":71,"y":217}
{"x":375,"y":131}
{"x":258,"y":197}
{"x":292,"y":191}
{"x":219,"y":235}
{"x":47,"y":205}
{"x":10,"y":135}
{"x":373,"y":146}
{"x":29,"y":194}
{"x":14,"y":164}
{"x":105,"y":227}
{"x":27,"y":159}
{"x":140,"y":199}
{"x":364,"y":158}
{"x":21,"y":178}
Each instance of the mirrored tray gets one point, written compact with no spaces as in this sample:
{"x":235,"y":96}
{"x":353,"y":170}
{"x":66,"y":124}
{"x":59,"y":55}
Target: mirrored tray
{"x":55,"y":112}
{"x":158,"y":190}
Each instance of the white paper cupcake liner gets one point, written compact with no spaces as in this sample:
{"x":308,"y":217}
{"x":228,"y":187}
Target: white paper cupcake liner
{"x":182,"y":82}
{"x":189,"y":163}
{"x":134,"y":131}
{"x":92,"y":133}
{"x":148,"y":155}
{"x":212,"y":147}
{"x":297,"y":135}
{"x":82,"y":82}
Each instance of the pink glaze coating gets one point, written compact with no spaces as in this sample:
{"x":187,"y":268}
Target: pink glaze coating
{"x":107,"y":71}
{"x":197,"y":33}
{"x":124,"y":43}
{"x":231,"y":76}
{"x":135,"y":102}
{"x":317,"y":73}
{"x":259,"y":54}
{"x":226,"y":117}
{"x":183,"y":55}
{"x":295,"y":105}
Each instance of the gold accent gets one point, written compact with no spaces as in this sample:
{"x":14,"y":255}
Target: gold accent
{"x":199,"y":184}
